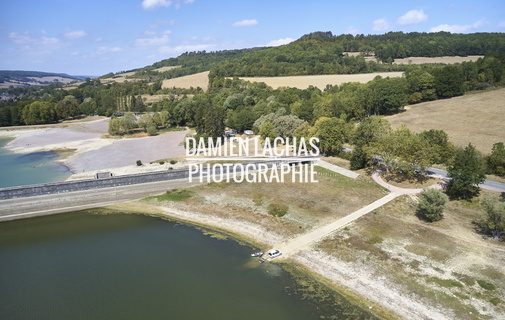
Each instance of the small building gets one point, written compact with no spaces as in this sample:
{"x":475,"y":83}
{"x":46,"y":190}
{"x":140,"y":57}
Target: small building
{"x":103,"y":175}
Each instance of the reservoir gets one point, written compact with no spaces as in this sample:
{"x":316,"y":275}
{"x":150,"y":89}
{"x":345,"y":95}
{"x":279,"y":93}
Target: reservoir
{"x":83,"y":265}
{"x":18,"y":169}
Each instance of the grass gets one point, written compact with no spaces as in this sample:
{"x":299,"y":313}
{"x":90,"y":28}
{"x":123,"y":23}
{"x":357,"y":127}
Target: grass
{"x":420,"y":258}
{"x":473,"y":118}
{"x":401,"y":180}
{"x":486,"y":285}
{"x":174,"y":195}
{"x":320,"y":81}
{"x":445,"y":283}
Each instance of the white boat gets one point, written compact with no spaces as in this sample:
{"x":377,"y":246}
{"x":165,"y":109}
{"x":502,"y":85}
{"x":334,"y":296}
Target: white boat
{"x":257,"y":254}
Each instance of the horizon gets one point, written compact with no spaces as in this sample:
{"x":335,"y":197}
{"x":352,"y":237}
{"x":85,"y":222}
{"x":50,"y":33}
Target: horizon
{"x":94,"y":38}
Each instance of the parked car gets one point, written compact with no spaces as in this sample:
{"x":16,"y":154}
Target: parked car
{"x":274,"y":253}
{"x":249,"y":132}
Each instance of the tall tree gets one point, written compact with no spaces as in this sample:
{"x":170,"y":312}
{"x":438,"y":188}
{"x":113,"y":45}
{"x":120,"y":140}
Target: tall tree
{"x":495,"y":162}
{"x":466,"y":173}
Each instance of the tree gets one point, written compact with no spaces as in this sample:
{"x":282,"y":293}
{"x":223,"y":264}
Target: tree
{"x":449,"y":81}
{"x":38,"y":112}
{"x":214,"y":121}
{"x":495,"y":162}
{"x":438,"y":140}
{"x":332,"y":133}
{"x":494,"y":224}
{"x":369,"y":132}
{"x":67,"y":108}
{"x":466,"y":173}
{"x":128,"y":122}
{"x":403,"y":151}
{"x":116,"y":127}
{"x":267,"y":131}
{"x":431,"y":204}
{"x":145,"y":120}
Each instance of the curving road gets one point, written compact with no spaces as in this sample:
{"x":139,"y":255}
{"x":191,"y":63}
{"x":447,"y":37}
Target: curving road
{"x":488,"y":184}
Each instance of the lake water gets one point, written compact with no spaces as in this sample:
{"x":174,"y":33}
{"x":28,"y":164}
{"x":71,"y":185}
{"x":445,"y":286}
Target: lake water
{"x":18,"y":169}
{"x":87,"y":266}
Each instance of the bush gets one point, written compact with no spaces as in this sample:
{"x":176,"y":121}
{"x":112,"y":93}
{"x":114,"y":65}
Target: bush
{"x":162,"y":162}
{"x":151,"y":130}
{"x":139,"y":163}
{"x":486,"y":285}
{"x":277,"y":209}
{"x":175,"y":195}
{"x":431,"y":204}
{"x":173,"y":161}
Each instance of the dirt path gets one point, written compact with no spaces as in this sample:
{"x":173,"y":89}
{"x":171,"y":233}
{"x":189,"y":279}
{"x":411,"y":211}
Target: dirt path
{"x":292,"y":246}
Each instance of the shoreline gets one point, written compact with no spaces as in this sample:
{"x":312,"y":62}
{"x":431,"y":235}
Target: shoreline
{"x":368,"y":294}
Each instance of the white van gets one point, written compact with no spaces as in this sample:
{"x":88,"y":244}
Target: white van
{"x":274,"y":253}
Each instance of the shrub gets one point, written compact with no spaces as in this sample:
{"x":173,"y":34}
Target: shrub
{"x":151,"y":130}
{"x":162,"y":162}
{"x":175,"y":195}
{"x":486,"y":285}
{"x":431,"y":204}
{"x":277,"y":209}
{"x":173,"y":161}
{"x":139,"y":163}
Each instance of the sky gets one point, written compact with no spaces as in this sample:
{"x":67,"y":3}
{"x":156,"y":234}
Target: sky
{"x":95,"y":37}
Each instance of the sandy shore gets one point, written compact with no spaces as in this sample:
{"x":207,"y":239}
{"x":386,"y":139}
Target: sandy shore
{"x":90,"y":152}
{"x":355,"y":280}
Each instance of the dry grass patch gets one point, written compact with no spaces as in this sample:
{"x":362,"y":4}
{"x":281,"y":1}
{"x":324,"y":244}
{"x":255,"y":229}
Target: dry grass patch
{"x":303,"y":82}
{"x":473,"y":118}
{"x":186,"y":82}
{"x":443,"y":60}
{"x":400,"y":180}
{"x":440,"y":263}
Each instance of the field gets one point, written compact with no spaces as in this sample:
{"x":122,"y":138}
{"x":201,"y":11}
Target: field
{"x":473,"y":118}
{"x":303,"y":82}
{"x":444,"y":60}
{"x":163,"y":69}
{"x":194,"y":80}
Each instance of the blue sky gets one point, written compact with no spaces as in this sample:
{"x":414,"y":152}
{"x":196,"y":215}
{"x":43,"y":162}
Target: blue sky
{"x":94,"y":37}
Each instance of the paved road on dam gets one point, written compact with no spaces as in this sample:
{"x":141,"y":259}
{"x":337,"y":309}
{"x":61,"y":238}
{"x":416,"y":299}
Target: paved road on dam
{"x":79,"y":200}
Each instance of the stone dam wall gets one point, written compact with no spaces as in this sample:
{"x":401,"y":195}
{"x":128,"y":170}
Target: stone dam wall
{"x":88,"y":184}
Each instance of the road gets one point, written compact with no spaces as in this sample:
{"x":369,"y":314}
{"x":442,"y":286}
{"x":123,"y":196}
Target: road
{"x":488,"y":184}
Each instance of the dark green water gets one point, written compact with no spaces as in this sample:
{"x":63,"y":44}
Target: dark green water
{"x":18,"y":169}
{"x":83,"y":266}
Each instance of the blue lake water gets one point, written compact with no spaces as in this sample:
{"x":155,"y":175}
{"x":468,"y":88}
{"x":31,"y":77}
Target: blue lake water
{"x":17,"y":169}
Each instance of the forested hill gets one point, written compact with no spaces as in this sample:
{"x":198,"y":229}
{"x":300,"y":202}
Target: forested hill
{"x":18,"y":78}
{"x":191,"y":63}
{"x":322,"y":53}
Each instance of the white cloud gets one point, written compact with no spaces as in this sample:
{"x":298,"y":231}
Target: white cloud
{"x":185,"y":48}
{"x":27,"y":39}
{"x":413,"y":17}
{"x":352,"y":30}
{"x":155,"y":4}
{"x":75,"y":34}
{"x":455,"y":28}
{"x":279,"y":42}
{"x":246,"y":23}
{"x":381,"y":25}
{"x":154,"y":41}
{"x":105,"y":50}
